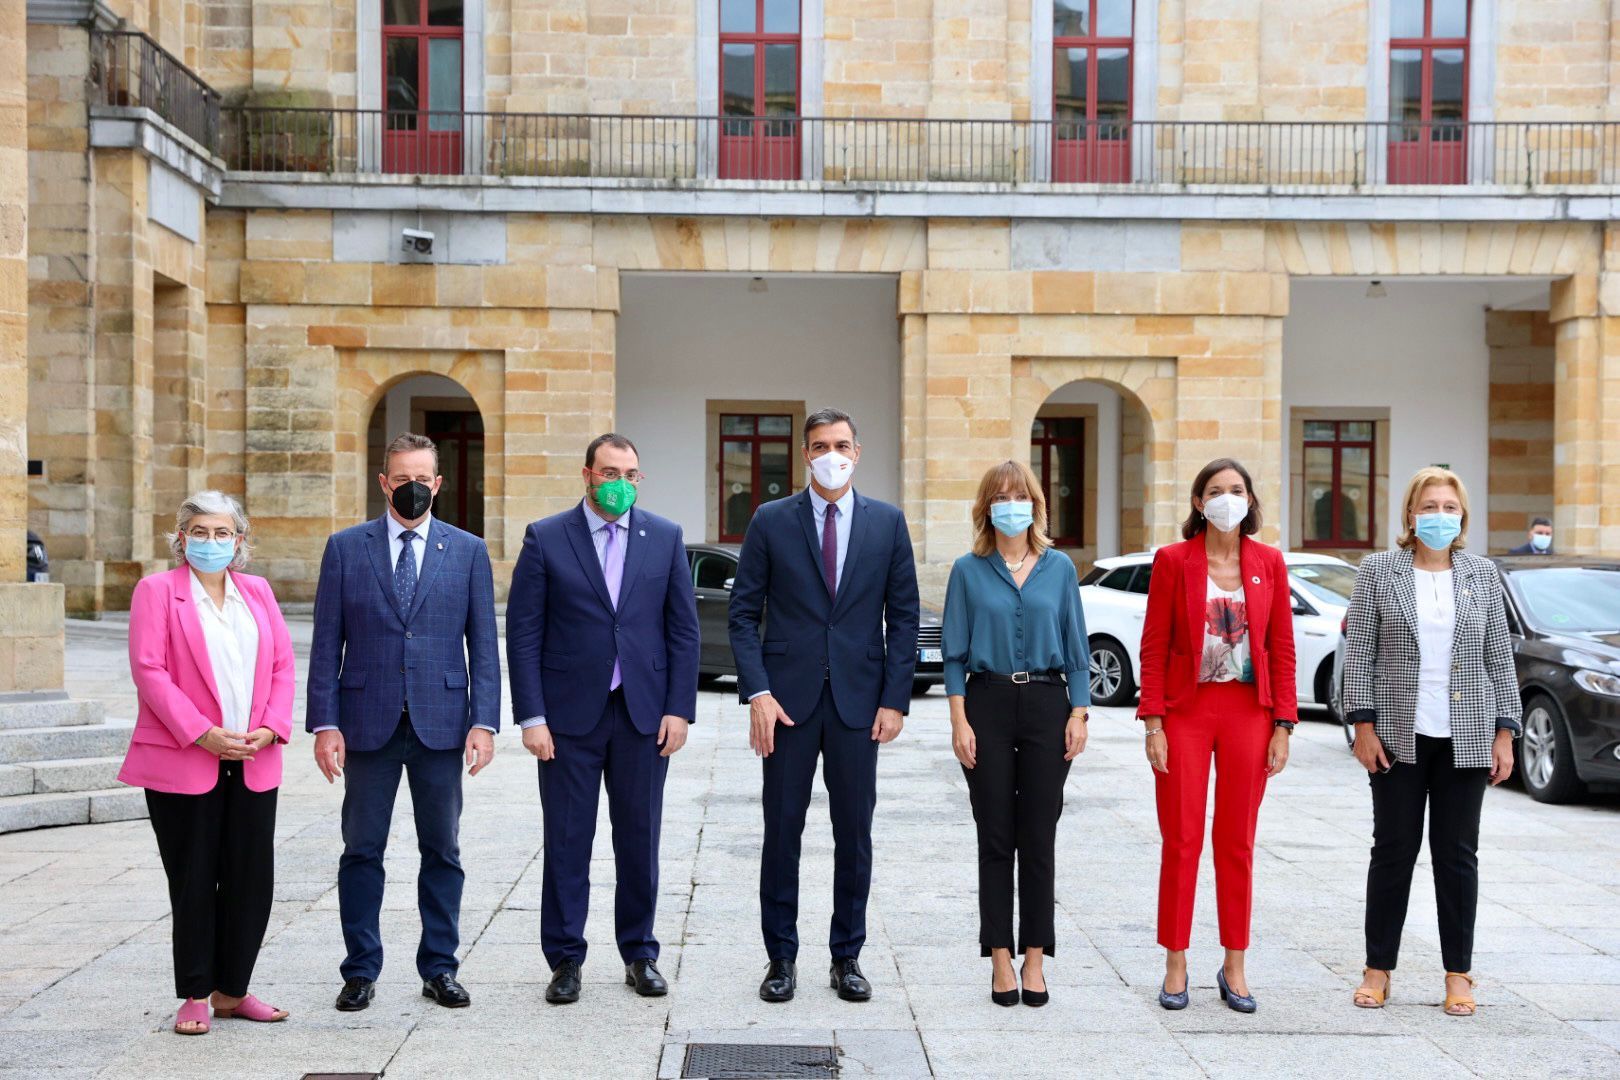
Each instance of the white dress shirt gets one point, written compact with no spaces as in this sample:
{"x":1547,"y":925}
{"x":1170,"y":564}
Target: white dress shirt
{"x":599,"y":527}
{"x":841,"y":525}
{"x":232,"y":637}
{"x":1437,"y":623}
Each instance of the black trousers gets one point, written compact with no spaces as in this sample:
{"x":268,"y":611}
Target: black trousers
{"x":218,"y":850}
{"x":1016,"y":787}
{"x":1453,"y":797}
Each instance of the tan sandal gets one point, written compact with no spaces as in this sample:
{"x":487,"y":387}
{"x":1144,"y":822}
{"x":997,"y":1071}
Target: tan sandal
{"x":1369,"y":998}
{"x":1459,"y":1001}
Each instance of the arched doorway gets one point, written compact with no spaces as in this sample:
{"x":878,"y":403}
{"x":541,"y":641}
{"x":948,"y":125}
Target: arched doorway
{"x":440,"y":408}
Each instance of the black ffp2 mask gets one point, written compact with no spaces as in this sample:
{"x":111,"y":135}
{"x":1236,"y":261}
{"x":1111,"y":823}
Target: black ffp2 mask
{"x":412,"y":499}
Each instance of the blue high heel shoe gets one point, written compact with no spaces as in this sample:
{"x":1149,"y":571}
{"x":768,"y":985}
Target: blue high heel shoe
{"x":1173,"y":1002}
{"x":1235,"y":1001}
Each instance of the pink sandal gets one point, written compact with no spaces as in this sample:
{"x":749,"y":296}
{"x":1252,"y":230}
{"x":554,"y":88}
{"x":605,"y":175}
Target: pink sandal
{"x":251,"y":1008}
{"x":192,"y":1012}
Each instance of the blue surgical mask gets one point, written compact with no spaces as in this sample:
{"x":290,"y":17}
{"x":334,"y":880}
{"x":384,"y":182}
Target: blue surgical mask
{"x":1541,"y":541}
{"x":1012,"y":518}
{"x":1437,"y":531}
{"x":210,"y":556}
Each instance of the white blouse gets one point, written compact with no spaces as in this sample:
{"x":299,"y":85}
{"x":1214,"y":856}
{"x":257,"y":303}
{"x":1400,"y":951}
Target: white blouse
{"x":232,"y":636}
{"x":1437,"y":624}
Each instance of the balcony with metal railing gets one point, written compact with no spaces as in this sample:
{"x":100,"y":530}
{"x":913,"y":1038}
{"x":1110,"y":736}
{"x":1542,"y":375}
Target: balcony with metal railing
{"x":128,"y":70}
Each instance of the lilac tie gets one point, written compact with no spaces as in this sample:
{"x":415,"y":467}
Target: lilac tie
{"x":613,"y":571}
{"x":829,"y":549}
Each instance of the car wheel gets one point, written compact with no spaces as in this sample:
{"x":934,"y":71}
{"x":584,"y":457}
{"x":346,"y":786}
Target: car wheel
{"x":1548,"y":765}
{"x":1111,"y":681}
{"x":1324,"y":690}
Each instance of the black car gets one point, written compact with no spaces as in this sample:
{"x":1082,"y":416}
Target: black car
{"x":1564,"y":613}
{"x":714,"y":566}
{"x":39,"y":566}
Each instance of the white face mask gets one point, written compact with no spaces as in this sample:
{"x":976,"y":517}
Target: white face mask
{"x":1226,"y":512}
{"x":832,"y":470}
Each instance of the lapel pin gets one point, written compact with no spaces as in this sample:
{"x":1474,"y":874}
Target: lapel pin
{"x":641,"y":532}
{"x":1255,"y":579}
{"x":441,"y":547}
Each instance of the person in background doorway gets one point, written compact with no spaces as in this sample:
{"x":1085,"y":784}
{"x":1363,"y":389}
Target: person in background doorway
{"x":1540,"y":541}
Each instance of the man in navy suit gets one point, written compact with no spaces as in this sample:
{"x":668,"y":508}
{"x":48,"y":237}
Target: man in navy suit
{"x":404,"y":674}
{"x":602,"y":650}
{"x":831,"y":574}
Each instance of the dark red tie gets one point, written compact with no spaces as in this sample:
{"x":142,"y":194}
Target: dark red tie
{"x":829,"y":550}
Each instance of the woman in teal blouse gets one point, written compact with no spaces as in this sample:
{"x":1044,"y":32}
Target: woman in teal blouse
{"x":1017,"y":675}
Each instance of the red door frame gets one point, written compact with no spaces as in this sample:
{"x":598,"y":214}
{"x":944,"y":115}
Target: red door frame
{"x":420,"y":150}
{"x":1094,"y":160}
{"x":761,"y":155}
{"x":1427,"y":160}
{"x":1337,"y":446}
{"x":754,"y":440}
{"x":1049,"y":444}
{"x":463,"y":437}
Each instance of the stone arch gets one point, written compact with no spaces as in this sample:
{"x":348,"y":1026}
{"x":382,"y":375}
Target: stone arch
{"x":364,"y":378}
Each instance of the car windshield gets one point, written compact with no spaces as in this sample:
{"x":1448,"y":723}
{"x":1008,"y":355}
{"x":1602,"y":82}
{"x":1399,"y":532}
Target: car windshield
{"x":1570,"y":599}
{"x":1328,"y":582}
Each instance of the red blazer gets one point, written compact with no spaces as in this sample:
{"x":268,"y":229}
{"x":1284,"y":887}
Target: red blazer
{"x":179,"y":700}
{"x":1173,"y":634}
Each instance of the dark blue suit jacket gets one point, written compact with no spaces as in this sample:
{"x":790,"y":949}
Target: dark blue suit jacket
{"x":563,"y":632}
{"x":866,"y":638}
{"x":368,"y":656}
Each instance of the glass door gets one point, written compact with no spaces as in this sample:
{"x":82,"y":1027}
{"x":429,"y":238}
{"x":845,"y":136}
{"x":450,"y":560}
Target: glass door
{"x":755,"y":466}
{"x":1428,"y":92}
{"x":1091,"y":91}
{"x":422,"y":86}
{"x":759,"y":89}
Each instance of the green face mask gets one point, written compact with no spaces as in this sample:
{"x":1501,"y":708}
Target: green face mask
{"x":616,"y":496}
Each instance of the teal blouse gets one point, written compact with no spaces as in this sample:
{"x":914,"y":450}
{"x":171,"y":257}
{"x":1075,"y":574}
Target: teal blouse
{"x":993,"y":625}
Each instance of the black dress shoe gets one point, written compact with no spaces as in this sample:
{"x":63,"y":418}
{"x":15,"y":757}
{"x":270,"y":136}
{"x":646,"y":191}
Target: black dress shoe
{"x":355,"y":995}
{"x":644,"y":976}
{"x":849,"y":982}
{"x":564,"y":986}
{"x":444,"y":989}
{"x":781,"y":979}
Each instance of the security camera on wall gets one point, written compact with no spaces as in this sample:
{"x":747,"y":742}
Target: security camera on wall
{"x":416,"y":242}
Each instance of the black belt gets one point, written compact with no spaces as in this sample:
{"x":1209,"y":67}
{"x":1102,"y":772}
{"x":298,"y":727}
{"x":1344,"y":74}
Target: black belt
{"x":1019,"y":678}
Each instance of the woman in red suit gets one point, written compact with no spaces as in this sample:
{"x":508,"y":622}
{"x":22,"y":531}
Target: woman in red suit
{"x":1217,"y":684}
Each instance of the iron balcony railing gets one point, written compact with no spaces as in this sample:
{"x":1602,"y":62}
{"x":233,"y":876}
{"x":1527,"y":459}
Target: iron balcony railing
{"x":867,"y":151}
{"x":130,"y":69}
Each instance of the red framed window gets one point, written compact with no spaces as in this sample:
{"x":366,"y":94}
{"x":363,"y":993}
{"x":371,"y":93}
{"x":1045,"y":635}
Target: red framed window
{"x":422,"y":86}
{"x":1339,"y":484}
{"x":1091,"y":90}
{"x":1057,"y":455}
{"x":760,"y":52}
{"x":1428,"y":91}
{"x":755,"y":466}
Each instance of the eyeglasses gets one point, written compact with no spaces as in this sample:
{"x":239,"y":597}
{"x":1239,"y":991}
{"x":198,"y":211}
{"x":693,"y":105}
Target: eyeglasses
{"x":635,"y":476}
{"x":221,"y":533}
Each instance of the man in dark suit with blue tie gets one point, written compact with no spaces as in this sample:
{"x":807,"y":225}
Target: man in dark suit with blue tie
{"x":830,"y":573}
{"x":404,"y":674}
{"x":602,"y":651}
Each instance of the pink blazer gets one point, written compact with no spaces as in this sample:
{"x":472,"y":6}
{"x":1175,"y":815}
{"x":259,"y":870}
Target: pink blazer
{"x":179,"y":701}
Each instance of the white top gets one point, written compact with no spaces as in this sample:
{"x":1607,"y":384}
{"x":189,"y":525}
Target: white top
{"x":1226,"y":636}
{"x":418,"y":546}
{"x":232,"y":635}
{"x":1437,"y":624}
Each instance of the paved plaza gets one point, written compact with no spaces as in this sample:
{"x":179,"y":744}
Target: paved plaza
{"x":85,"y":976}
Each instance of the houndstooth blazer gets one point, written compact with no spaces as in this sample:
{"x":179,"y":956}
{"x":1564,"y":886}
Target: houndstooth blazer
{"x":1382,"y":657}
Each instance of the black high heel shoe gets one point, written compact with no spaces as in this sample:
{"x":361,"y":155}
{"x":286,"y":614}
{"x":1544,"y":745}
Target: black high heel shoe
{"x":1003,"y":998}
{"x":1243,"y":1003}
{"x":1034,"y":998}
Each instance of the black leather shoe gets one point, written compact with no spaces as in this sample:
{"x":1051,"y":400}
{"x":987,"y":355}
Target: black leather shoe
{"x":564,"y":986}
{"x":444,"y":989}
{"x":356,"y":995}
{"x":849,"y":982}
{"x":781,"y":980}
{"x":644,"y":976}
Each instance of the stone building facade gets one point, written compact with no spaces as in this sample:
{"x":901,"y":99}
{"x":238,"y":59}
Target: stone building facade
{"x":1122,"y":238}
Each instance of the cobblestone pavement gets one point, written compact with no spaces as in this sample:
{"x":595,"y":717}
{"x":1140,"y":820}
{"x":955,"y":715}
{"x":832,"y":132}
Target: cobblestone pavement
{"x":85,"y":971}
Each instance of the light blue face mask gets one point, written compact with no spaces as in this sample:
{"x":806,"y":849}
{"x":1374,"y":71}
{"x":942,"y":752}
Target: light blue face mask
{"x":1437,"y":531}
{"x":1012,"y":518}
{"x":210,"y":556}
{"x":1541,"y":541}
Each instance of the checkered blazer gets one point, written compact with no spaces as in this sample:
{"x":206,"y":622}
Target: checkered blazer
{"x":1382,"y":657}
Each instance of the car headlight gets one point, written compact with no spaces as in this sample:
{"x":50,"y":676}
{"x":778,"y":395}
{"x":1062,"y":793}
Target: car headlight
{"x":1598,"y":682}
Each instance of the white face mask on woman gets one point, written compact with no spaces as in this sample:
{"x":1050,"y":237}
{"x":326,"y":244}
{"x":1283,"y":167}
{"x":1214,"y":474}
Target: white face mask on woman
{"x":1226,"y":512}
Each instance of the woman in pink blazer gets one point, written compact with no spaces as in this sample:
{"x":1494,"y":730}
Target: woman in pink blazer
{"x":213,"y":667}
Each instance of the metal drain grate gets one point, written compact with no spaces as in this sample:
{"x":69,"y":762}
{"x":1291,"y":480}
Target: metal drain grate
{"x":759,"y":1061}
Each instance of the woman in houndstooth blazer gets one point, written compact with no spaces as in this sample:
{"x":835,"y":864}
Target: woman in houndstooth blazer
{"x":1429,"y":684}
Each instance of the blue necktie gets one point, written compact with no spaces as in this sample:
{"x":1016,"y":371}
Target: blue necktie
{"x":405,"y":572}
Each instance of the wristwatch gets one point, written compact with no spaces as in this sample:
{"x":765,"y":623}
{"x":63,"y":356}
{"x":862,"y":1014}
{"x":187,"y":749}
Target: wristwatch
{"x":1289,"y":724}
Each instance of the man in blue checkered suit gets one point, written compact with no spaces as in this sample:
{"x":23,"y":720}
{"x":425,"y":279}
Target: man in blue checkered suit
{"x":404,"y":675}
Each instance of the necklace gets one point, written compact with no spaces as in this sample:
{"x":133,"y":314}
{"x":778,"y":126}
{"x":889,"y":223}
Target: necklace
{"x":1014,"y":567}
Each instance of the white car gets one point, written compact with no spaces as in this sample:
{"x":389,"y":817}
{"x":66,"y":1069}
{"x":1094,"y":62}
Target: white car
{"x":1114,"y":596}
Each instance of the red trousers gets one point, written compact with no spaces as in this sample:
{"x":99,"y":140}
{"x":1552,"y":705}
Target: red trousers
{"x":1224,"y":722}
